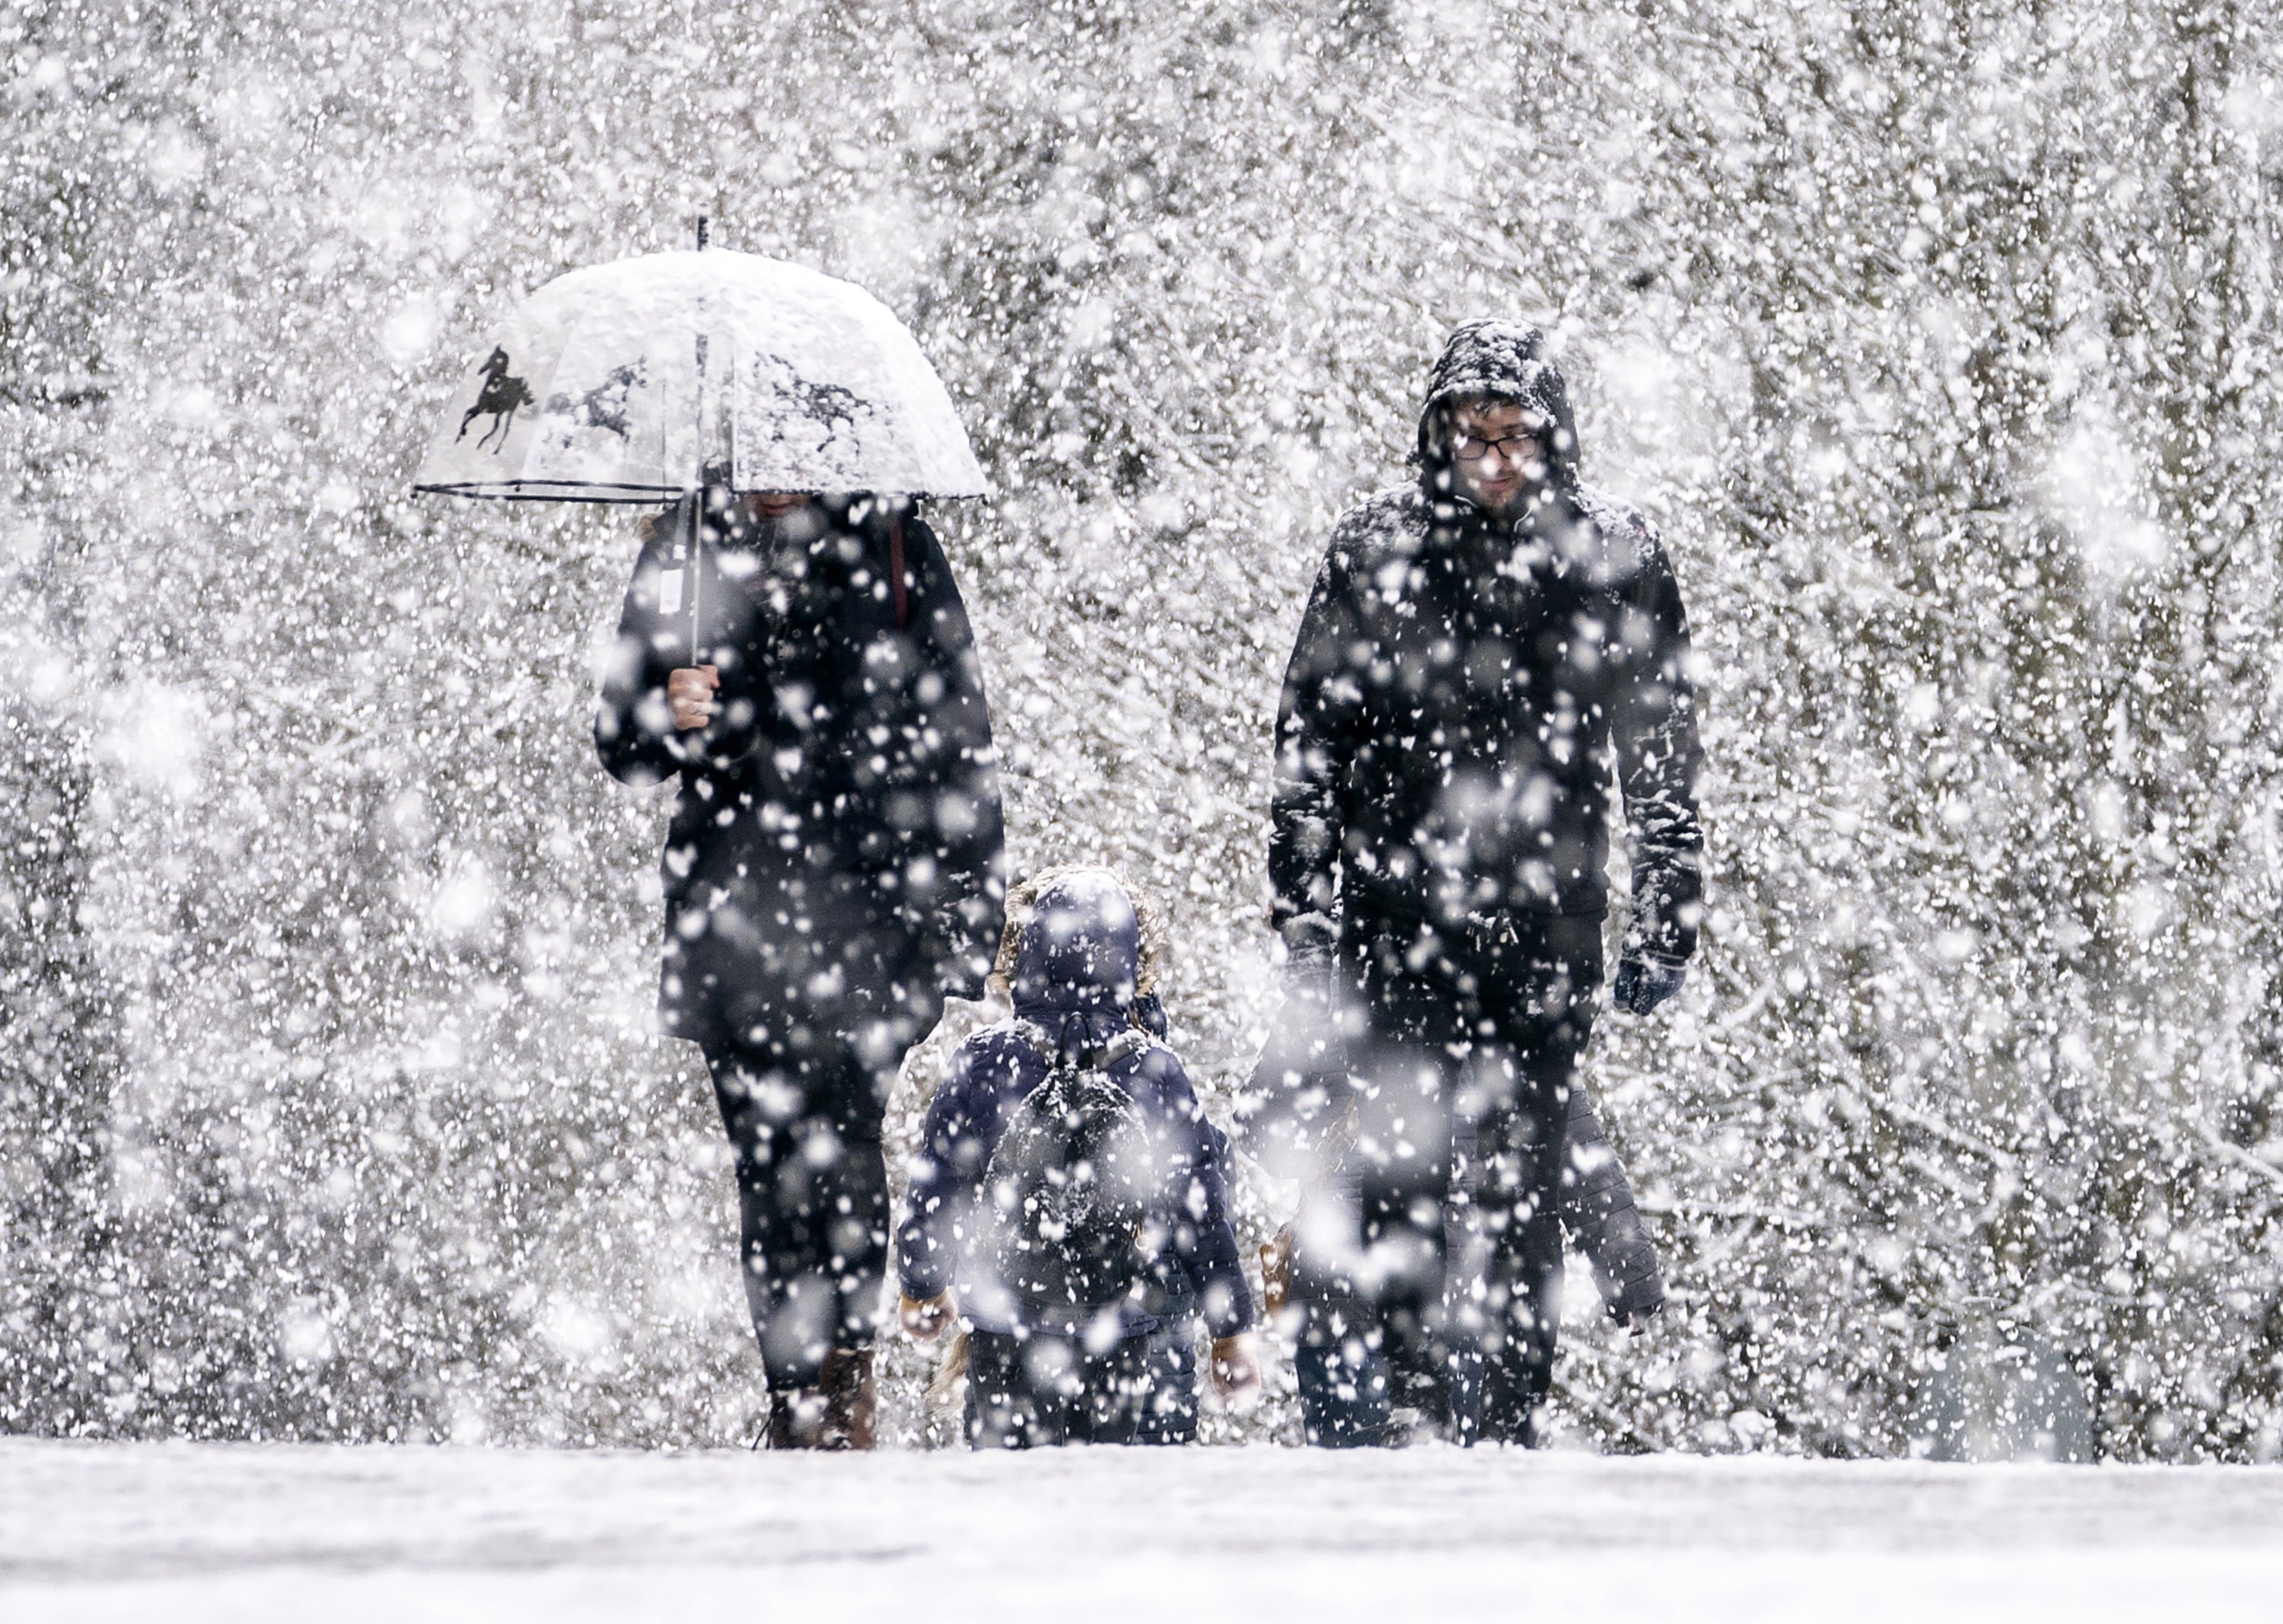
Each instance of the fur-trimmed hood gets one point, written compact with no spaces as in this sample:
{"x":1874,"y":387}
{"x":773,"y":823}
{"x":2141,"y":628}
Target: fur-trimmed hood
{"x":1022,"y":900}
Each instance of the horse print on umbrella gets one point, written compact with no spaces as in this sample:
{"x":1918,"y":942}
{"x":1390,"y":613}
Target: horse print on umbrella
{"x":498,"y":399}
{"x":833,"y":413}
{"x":605,"y":406}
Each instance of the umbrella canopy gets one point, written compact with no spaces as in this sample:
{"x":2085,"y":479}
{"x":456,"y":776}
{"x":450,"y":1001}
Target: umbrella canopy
{"x":646,"y":379}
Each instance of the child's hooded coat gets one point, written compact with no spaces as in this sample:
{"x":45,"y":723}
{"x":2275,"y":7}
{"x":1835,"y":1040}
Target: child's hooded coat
{"x":1074,"y":980}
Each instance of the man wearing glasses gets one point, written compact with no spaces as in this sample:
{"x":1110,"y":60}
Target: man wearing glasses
{"x":1481,"y":655}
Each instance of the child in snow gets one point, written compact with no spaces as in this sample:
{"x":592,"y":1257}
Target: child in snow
{"x":1069,"y":1203}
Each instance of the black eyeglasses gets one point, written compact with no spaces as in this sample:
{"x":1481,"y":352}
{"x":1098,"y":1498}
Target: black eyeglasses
{"x":1473,"y":447}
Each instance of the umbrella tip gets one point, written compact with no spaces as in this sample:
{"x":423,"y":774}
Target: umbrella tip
{"x":701,"y":233}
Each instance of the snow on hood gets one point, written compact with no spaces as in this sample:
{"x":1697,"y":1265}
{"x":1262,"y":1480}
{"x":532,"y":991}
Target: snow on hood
{"x":1081,"y":950}
{"x":1489,"y":356}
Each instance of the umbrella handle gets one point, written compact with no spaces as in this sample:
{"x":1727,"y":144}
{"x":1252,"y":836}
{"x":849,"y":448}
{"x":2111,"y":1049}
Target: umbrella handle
{"x":695,"y":503}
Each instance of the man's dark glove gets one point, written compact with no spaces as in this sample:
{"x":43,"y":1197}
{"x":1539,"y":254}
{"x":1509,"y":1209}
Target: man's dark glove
{"x":1637,"y":1300}
{"x":1637,"y":1319}
{"x":1646,"y":980}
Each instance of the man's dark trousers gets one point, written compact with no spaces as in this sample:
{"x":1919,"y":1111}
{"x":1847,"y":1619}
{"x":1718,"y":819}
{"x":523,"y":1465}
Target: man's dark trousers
{"x":1471,"y":1035}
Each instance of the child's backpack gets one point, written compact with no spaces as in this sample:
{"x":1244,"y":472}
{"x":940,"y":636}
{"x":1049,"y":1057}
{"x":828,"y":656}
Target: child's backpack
{"x":1071,"y":1185}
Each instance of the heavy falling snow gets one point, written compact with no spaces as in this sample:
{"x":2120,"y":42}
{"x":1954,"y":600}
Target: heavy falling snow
{"x":1938,"y":340}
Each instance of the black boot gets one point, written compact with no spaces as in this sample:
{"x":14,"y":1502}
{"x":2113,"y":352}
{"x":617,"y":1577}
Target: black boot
{"x":796,"y":1418}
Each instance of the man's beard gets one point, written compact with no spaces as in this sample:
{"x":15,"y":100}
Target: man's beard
{"x":1513,"y":507}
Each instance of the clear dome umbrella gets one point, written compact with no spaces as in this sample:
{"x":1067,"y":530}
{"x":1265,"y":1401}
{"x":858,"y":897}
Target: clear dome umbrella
{"x":671,"y":376}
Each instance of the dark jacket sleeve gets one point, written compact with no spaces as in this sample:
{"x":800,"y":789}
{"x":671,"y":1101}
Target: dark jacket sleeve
{"x":946,"y":1175}
{"x":1317,"y":721}
{"x":967,"y":906}
{"x":633,"y":724}
{"x":1202,"y":1235}
{"x":1654,"y":729}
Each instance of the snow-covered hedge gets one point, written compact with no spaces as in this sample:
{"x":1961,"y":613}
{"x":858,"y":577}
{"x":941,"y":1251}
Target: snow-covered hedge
{"x":1938,"y":341}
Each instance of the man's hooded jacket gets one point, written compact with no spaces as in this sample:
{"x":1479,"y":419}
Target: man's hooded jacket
{"x":1463,"y":689}
{"x":835,"y":852}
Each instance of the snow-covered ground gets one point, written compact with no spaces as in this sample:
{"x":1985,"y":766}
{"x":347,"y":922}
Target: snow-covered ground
{"x":179,"y":1533}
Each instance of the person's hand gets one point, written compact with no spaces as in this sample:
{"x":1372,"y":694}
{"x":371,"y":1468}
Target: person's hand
{"x":923,"y":1320}
{"x":1235,"y":1368}
{"x":1646,"y":980}
{"x":691,"y":691}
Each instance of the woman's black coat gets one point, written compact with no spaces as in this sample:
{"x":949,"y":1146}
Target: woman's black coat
{"x":834,"y":858}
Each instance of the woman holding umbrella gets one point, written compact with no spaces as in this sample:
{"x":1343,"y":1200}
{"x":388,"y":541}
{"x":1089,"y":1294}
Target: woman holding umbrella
{"x":793,"y":653}
{"x":832,"y":872}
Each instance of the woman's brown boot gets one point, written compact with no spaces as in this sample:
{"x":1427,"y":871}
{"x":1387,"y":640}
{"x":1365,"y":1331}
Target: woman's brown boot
{"x":851,"y":1401}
